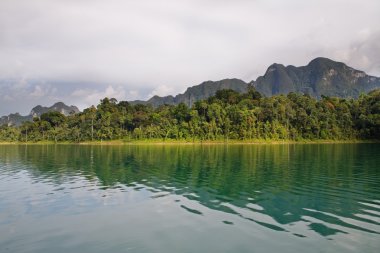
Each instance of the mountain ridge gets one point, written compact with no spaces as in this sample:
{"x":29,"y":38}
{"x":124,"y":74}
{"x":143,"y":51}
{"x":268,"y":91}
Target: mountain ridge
{"x":321,"y":76}
{"x":197,"y":92}
{"x":17,"y":119}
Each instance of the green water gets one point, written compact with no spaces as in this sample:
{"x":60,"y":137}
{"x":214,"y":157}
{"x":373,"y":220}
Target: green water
{"x":216,"y":198}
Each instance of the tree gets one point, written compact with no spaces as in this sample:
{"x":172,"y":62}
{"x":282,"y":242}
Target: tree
{"x":54,"y":118}
{"x":227,"y":115}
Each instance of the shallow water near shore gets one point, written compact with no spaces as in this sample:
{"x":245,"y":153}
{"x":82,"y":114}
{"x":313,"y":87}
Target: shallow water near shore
{"x":190,"y":198}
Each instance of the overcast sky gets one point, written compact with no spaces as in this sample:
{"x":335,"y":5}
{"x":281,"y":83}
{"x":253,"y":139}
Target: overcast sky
{"x":79,"y":51}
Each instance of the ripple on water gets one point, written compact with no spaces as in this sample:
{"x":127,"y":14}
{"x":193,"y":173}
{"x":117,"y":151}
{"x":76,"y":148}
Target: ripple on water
{"x":246,"y":195}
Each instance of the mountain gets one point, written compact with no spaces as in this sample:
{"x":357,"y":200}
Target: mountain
{"x":15,"y":119}
{"x":321,"y":76}
{"x":195,"y":93}
{"x":59,"y":107}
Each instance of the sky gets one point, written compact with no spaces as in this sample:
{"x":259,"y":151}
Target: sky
{"x":80,"y":51}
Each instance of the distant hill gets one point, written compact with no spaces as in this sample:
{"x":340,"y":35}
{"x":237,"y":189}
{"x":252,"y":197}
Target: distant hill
{"x":59,"y":107}
{"x":15,"y":119}
{"x":198,"y":92}
{"x":321,"y":76}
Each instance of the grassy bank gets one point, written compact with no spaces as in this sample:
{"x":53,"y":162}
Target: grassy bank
{"x":196,"y":142}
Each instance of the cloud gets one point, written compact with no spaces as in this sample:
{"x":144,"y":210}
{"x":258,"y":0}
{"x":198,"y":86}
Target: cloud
{"x":363,"y":53}
{"x":132,"y":95}
{"x":151,"y":47}
{"x":21,"y":95}
{"x":38,"y":92}
{"x":7,"y":98}
{"x":162,"y":90}
{"x":90,"y":97}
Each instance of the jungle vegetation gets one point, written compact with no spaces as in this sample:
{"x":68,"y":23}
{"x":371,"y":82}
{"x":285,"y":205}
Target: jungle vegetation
{"x":228,"y":115}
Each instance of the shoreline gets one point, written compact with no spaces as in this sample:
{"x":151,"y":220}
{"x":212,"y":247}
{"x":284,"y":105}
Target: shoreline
{"x":197,"y":142}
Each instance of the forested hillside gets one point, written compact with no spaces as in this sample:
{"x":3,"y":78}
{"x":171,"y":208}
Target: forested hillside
{"x":225,"y":116}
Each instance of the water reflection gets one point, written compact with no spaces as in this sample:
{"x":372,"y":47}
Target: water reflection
{"x":328,"y":189}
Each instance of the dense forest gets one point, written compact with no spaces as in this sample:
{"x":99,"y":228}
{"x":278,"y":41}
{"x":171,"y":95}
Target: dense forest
{"x":225,"y":116}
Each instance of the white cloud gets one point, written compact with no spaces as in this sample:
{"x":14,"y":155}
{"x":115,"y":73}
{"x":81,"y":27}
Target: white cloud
{"x":38,"y":92}
{"x":162,"y":90}
{"x":22,"y":95}
{"x":161,"y":47}
{"x":88,"y":97}
{"x":8,"y":98}
{"x":132,"y":95}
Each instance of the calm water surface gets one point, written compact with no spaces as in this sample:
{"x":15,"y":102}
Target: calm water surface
{"x":217,"y":198}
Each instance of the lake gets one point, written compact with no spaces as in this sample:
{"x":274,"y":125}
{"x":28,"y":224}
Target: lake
{"x":190,"y":198}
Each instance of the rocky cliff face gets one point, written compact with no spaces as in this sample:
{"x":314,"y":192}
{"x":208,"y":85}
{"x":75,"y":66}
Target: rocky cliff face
{"x":58,"y":107}
{"x":15,"y":119}
{"x":198,"y":92}
{"x":321,"y":76}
